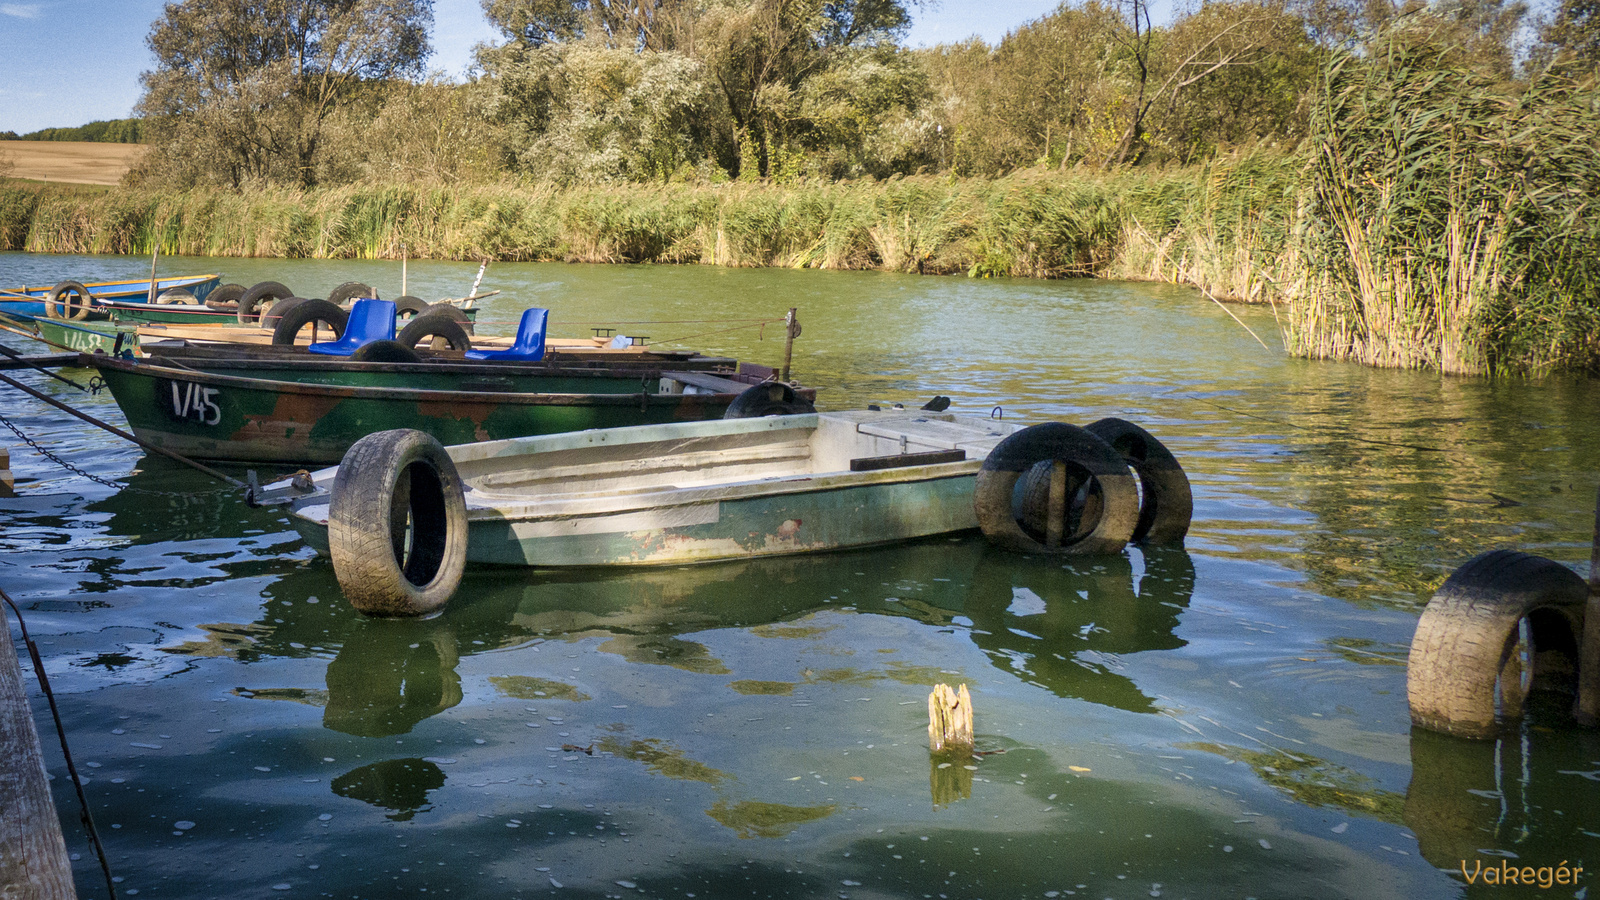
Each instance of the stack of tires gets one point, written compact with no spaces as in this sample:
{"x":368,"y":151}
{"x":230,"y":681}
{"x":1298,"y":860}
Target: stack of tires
{"x":274,"y":307}
{"x":1061,"y":489}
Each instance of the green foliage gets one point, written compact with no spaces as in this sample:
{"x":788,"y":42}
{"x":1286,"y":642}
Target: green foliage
{"x":245,"y":92}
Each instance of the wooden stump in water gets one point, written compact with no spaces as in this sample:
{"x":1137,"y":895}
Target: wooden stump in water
{"x":949,"y":718}
{"x":7,"y":481}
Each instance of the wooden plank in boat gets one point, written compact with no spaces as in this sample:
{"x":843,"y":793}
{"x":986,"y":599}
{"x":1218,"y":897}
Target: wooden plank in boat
{"x":713,"y":383}
{"x":899,"y":460}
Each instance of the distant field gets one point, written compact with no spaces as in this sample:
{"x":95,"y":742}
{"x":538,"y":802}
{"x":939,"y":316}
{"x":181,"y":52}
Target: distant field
{"x":71,"y":162}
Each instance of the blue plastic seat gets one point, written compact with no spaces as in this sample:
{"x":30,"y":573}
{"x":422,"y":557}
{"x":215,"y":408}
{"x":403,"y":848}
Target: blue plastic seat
{"x":529,"y":345}
{"x":370,"y":320}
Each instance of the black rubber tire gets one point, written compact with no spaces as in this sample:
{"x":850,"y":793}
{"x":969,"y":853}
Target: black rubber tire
{"x":454,"y":312}
{"x":439,"y":328}
{"x":1463,"y":668}
{"x":177,"y":296}
{"x":345,"y":293}
{"x":770,"y":398}
{"x":304,"y":313}
{"x":386,"y":481}
{"x":259,"y":297}
{"x":271,"y":318}
{"x":409,"y":307}
{"x":62,"y":294}
{"x":1166,"y":504}
{"x":225,"y":296}
{"x":385,"y":351}
{"x":1103,"y":501}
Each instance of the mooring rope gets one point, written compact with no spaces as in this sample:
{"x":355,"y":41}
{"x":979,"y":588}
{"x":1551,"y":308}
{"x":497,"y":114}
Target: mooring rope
{"x":64,"y":380}
{"x":200,"y":467}
{"x":66,"y":752}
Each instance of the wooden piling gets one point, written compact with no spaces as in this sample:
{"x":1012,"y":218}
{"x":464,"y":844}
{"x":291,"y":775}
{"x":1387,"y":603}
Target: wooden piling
{"x":33,"y":854}
{"x":8,"y":482}
{"x":949,"y":719}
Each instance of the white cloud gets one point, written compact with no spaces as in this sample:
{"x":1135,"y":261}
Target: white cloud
{"x":20,"y":10}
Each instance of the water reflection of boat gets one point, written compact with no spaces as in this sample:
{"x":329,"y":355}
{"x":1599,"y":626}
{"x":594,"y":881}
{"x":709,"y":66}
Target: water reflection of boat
{"x":1061,"y":627}
{"x":1063,"y":623}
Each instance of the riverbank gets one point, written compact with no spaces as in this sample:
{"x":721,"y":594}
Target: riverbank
{"x":1206,"y":225}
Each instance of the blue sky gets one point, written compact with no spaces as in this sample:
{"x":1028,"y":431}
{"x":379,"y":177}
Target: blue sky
{"x":74,"y":61}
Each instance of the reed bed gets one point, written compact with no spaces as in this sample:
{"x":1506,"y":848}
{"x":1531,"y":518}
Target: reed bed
{"x":1142,"y":224}
{"x":1452,"y":220}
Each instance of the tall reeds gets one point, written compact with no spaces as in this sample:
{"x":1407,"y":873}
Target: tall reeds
{"x":1451,"y":222}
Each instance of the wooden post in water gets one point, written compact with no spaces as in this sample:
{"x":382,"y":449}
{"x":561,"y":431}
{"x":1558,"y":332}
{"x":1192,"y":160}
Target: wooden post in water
{"x":949,"y":719}
{"x":403,"y":291}
{"x":33,"y":855}
{"x":155,"y":252}
{"x":7,"y":481}
{"x":1588,"y":707}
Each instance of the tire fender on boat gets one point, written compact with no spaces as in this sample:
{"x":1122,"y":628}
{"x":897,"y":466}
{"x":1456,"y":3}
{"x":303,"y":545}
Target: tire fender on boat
{"x":1498,"y":623}
{"x":251,"y":302}
{"x":1075,"y":495}
{"x":439,"y":327}
{"x":770,"y":398}
{"x":397,"y":524}
{"x":1166,"y":503}
{"x":304,"y":313}
{"x":62,"y":294}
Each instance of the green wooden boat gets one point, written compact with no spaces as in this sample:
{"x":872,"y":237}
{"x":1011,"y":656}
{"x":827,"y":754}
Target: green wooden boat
{"x":84,"y":337}
{"x":311,"y":411}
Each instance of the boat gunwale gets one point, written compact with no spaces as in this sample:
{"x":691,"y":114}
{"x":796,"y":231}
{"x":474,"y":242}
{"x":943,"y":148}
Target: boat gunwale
{"x":144,"y":369}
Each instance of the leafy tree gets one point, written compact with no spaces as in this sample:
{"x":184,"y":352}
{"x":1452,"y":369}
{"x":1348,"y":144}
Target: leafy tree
{"x":245,"y":90}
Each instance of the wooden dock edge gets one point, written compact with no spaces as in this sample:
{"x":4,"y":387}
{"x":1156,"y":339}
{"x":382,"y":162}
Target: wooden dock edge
{"x":33,"y":854}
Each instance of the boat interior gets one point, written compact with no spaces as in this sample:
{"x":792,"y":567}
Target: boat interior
{"x":707,"y":454}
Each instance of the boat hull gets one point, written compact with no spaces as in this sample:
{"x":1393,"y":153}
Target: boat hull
{"x":212,"y":416}
{"x":128,"y":291}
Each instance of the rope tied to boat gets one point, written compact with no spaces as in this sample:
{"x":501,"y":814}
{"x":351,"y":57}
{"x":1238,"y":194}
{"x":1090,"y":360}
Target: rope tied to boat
{"x":252,"y":489}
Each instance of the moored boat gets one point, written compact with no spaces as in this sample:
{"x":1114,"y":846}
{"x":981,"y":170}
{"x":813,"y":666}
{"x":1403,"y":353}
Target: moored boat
{"x":401,"y":515}
{"x":31,"y":300}
{"x":313,"y":410}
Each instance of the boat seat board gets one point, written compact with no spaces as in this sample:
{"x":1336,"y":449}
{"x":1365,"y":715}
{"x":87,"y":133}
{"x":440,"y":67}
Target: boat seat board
{"x":630,"y":472}
{"x":706,"y":381}
{"x":899,"y":460}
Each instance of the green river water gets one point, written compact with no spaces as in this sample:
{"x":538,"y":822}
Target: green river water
{"x":1228,"y":720}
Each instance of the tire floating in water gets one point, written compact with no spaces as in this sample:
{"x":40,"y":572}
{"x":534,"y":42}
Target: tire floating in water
{"x":1058,"y":489}
{"x":397,"y":524}
{"x":1166,"y":504}
{"x":1503,"y":624}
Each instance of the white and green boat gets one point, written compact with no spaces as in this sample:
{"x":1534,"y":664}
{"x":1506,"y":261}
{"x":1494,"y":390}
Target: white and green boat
{"x":401,"y":515}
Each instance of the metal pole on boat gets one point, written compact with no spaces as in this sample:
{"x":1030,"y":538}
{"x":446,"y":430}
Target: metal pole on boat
{"x":791,"y":330}
{"x":479,"y":280}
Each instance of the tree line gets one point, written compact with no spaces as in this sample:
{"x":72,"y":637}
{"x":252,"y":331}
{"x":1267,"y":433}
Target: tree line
{"x":321,"y":92}
{"x":110,"y":131}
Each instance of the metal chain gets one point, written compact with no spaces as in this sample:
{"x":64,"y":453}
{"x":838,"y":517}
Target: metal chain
{"x":96,"y":478}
